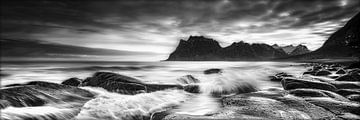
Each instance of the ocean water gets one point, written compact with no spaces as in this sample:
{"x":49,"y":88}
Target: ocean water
{"x":107,"y":105}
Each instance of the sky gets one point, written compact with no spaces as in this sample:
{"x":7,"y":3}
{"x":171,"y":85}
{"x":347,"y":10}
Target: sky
{"x":154,"y":27}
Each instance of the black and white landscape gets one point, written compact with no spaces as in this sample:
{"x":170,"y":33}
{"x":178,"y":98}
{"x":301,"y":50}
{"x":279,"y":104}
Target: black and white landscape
{"x":180,"y":60}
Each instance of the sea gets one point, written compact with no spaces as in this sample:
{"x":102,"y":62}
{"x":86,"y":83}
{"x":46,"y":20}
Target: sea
{"x":108,"y":105}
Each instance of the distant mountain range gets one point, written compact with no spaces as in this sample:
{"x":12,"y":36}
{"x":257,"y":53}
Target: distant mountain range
{"x":293,"y":50}
{"x":38,"y":48}
{"x":343,"y":43}
{"x":199,"y":48}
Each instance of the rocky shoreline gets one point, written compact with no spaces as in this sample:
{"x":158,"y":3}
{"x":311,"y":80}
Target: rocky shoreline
{"x":323,"y":92}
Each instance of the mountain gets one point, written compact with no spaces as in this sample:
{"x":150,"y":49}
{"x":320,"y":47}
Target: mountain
{"x":288,"y":49}
{"x":292,"y":50}
{"x":345,"y":42}
{"x":199,"y":48}
{"x":300,"y":49}
{"x":195,"y":48}
{"x":38,"y":48}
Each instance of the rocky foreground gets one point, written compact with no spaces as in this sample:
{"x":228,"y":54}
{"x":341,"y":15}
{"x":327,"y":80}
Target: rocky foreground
{"x":323,"y":92}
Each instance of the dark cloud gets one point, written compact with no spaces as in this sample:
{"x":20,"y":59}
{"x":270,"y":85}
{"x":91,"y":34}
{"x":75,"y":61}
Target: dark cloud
{"x":127,"y":22}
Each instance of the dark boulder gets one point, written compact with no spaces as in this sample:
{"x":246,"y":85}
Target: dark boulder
{"x":100,"y":77}
{"x":341,"y":71}
{"x":72,"y":82}
{"x":157,"y":87}
{"x":309,"y":73}
{"x":346,"y":92}
{"x":354,"y":65}
{"x":294,"y":83}
{"x":345,"y":84}
{"x":349,"y":77}
{"x":192,"y":88}
{"x":305,"y":93}
{"x":159,"y":115}
{"x":122,"y":84}
{"x":116,"y":83}
{"x":212,"y":71}
{"x":339,"y":108}
{"x":38,"y":93}
{"x":123,"y":88}
{"x":354,"y":97}
{"x":323,"y":73}
{"x":188,"y":79}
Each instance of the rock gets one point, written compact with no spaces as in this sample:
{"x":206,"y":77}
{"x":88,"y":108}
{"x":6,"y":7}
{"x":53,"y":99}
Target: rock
{"x":157,"y":87}
{"x":345,"y":84}
{"x":264,"y":105}
{"x":212,"y":71}
{"x":12,"y":85}
{"x":72,"y":82}
{"x":354,"y":65}
{"x":279,"y":76}
{"x":341,"y":71}
{"x":337,"y":107}
{"x":38,"y":93}
{"x":294,"y":83}
{"x":349,"y":77}
{"x":323,"y":73}
{"x":124,"y":84}
{"x":115,"y":83}
{"x":310,"y":73}
{"x":159,"y":115}
{"x":354,"y":97}
{"x":305,"y":93}
{"x":188,"y":79}
{"x":100,"y":77}
{"x":192,"y":88}
{"x":123,"y":88}
{"x":346,"y":92}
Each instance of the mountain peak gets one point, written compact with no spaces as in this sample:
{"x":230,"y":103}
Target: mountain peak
{"x":201,"y":48}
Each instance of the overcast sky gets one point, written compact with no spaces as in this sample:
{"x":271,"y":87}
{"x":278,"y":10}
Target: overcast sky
{"x":157,"y":25}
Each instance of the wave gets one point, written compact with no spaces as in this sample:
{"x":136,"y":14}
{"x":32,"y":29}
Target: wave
{"x":116,"y":106}
{"x":109,"y":68}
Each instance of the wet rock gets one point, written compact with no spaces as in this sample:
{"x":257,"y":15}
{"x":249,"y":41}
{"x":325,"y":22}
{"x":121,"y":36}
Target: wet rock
{"x":323,"y":73}
{"x":349,"y":77}
{"x":38,"y":93}
{"x":188,"y":79}
{"x":337,"y":107}
{"x":72,"y":82}
{"x":12,"y":85}
{"x":341,"y":71}
{"x":317,"y":67}
{"x":345,"y":84}
{"x":346,"y":92}
{"x":192,"y":88}
{"x":122,"y":88}
{"x":100,"y":77}
{"x":212,"y":71}
{"x":261,"y":105}
{"x":124,"y":84}
{"x":159,"y":115}
{"x":157,"y":87}
{"x":294,"y":83}
{"x":354,"y":97}
{"x":309,"y":73}
{"x":354,"y":65}
{"x":279,"y":76}
{"x":305,"y":93}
